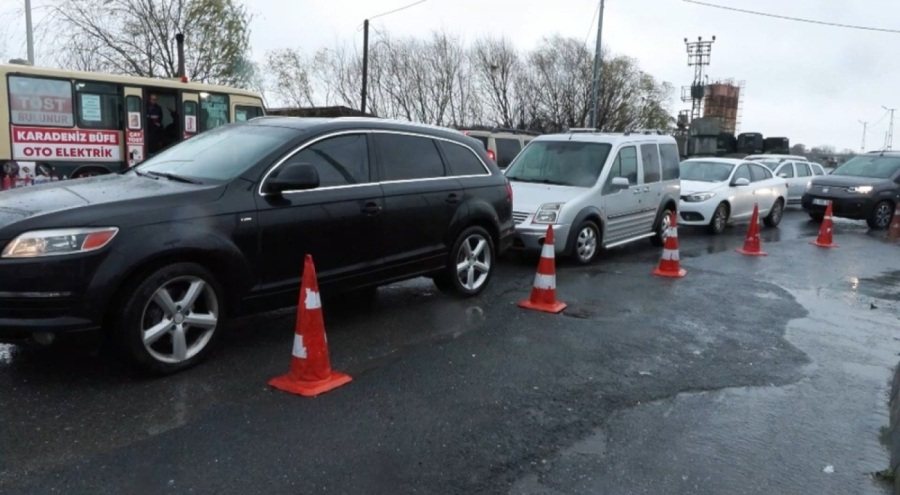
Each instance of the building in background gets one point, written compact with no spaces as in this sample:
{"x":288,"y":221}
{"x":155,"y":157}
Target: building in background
{"x":723,"y":100}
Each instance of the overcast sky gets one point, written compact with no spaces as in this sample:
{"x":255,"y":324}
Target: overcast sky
{"x":811,"y":83}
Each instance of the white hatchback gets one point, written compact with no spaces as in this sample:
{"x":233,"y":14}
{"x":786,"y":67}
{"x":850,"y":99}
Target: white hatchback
{"x":716,"y":192}
{"x":796,"y":170}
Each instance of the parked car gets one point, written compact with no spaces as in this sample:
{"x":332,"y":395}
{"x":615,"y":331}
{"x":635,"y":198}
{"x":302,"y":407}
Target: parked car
{"x":502,"y":144}
{"x":796,"y":170}
{"x":866,"y":187}
{"x":218,"y":226}
{"x":716,"y":192}
{"x":595,"y":189}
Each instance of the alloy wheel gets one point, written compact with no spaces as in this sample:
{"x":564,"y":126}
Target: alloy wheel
{"x":883,"y":215}
{"x":473,"y":262}
{"x":586,"y":243}
{"x":179,"y":319}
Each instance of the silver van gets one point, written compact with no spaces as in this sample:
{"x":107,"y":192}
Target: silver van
{"x":596,"y":189}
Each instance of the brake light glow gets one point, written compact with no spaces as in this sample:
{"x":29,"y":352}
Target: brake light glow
{"x":491,"y":155}
{"x":509,"y":191}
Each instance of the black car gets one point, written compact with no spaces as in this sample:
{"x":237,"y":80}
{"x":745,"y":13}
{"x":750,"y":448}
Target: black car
{"x":218,"y":226}
{"x":866,"y":187}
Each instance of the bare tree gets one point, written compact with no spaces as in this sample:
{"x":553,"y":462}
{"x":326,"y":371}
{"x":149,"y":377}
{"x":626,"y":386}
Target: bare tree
{"x":496,"y":66}
{"x":289,"y":73}
{"x":137,"y":37}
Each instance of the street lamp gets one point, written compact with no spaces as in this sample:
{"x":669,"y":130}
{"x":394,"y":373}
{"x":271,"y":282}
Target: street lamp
{"x":29,"y":32}
{"x":365,"y":67}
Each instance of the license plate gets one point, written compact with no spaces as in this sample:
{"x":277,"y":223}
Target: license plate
{"x":820,"y":202}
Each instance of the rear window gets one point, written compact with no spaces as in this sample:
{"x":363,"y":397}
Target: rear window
{"x":404,"y":157}
{"x":507,"y":149}
{"x":461,"y":160}
{"x":875,"y":167}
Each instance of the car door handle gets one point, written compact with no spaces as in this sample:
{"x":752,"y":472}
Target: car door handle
{"x":371,"y":208}
{"x":452,"y":199}
{"x":636,"y":190}
{"x":646,"y":189}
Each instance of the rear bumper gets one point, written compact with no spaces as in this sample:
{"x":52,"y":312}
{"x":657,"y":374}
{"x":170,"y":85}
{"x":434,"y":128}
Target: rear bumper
{"x":855,"y":208}
{"x":531,"y":237}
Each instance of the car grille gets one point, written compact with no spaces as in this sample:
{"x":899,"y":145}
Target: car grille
{"x":519,"y":217}
{"x":826,"y":189}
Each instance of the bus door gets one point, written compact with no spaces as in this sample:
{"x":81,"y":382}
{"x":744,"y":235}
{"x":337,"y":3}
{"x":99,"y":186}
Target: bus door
{"x":134,"y":125}
{"x":190,"y":104}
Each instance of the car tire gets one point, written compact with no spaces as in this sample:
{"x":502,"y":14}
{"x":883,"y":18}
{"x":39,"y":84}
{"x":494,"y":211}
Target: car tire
{"x":817,"y":217}
{"x":662,"y":225}
{"x":586,"y":243}
{"x":474,"y":247}
{"x":162,"y":335}
{"x":719,"y":219}
{"x":881,"y":216}
{"x":775,"y":214}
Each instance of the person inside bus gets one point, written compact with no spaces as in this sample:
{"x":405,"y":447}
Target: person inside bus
{"x":154,"y":125}
{"x":171,"y":130}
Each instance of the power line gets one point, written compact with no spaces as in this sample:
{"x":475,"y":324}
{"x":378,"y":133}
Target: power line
{"x":397,"y":10}
{"x":593,"y":18}
{"x":798,"y":19}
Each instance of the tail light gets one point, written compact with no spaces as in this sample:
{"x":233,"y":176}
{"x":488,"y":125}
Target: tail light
{"x":509,"y":191}
{"x":492,"y":156}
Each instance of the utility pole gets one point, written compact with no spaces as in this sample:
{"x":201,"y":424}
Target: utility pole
{"x":699,"y":53}
{"x":595,"y":85}
{"x":862,"y":148}
{"x":365,"y":67}
{"x":889,"y":137}
{"x":29,"y":32}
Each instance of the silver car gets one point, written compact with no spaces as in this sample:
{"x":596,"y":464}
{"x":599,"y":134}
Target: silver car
{"x":595,"y":189}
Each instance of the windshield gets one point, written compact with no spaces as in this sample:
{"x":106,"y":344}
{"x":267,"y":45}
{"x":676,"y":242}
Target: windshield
{"x":567,"y":163}
{"x":876,"y":167}
{"x":705,"y":171}
{"x":217,"y":155}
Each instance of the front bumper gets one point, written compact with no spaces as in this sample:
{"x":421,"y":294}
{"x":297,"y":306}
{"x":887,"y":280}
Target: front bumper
{"x":47,"y":295}
{"x":696,"y":213}
{"x":857,"y":207}
{"x":531,"y":236}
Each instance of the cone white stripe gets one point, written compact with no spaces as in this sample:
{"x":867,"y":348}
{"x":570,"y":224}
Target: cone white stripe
{"x":672,"y":232}
{"x":670,"y":255}
{"x":545,"y":282}
{"x":299,"y":350}
{"x":312,"y":300}
{"x":547,"y":251}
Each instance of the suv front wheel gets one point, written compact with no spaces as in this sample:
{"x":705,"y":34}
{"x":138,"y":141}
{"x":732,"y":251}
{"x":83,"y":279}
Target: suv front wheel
{"x":470,"y":265}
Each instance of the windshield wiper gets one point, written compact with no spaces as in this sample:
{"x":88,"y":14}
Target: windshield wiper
{"x":175,"y":177}
{"x":538,"y":181}
{"x":142,"y":174}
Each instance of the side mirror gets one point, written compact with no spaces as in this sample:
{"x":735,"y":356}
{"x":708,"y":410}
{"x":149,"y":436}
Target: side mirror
{"x":741,"y":182}
{"x":620,"y":183}
{"x":294,"y":177}
{"x":782,"y":175}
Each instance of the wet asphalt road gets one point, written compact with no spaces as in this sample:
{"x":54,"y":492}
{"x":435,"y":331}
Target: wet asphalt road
{"x":750,"y":375}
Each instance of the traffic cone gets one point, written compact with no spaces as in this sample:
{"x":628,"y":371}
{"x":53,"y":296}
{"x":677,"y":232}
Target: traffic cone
{"x":310,"y":372}
{"x":825,"y":232}
{"x":751,"y":244}
{"x":543,"y":291}
{"x":670,"y":264}
{"x":5,"y":184}
{"x":894,"y":231}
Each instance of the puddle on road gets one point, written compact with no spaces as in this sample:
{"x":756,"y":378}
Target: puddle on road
{"x":884,"y":287}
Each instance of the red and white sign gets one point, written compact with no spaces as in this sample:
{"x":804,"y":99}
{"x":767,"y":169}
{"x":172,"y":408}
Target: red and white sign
{"x":47,"y":143}
{"x":34,"y":101}
{"x":135,"y":142}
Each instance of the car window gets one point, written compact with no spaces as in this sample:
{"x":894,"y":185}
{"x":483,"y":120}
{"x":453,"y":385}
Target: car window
{"x":650,"y":160}
{"x":403,"y":157}
{"x":802,"y":169}
{"x":625,"y":165}
{"x":220,"y":154}
{"x":817,"y":169}
{"x":743,"y":172}
{"x":786,"y":170}
{"x":507,"y":149}
{"x":461,"y":160}
{"x":705,"y":170}
{"x":567,"y":163}
{"x":759,"y":173}
{"x":873,"y":166}
{"x":340,"y":160}
{"x":671,"y":169}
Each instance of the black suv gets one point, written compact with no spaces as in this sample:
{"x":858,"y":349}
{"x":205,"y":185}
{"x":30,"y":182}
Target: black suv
{"x":218,"y":226}
{"x":866,"y":187}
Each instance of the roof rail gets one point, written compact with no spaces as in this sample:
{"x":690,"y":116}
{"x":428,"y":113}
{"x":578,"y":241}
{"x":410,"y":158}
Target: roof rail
{"x":646,"y":131}
{"x":582,"y":129}
{"x":514,"y":131}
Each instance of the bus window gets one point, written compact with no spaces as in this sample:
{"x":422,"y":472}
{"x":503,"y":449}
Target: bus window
{"x":40,"y":102}
{"x":135,"y":112}
{"x":99,"y":105}
{"x":190,"y":117}
{"x":243,"y":112}
{"x":213,"y":111}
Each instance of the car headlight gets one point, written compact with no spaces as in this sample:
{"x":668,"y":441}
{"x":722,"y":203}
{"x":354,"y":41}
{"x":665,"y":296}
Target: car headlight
{"x":697,"y":198}
{"x":56,"y":242}
{"x":860,"y":189}
{"x":548,"y":213}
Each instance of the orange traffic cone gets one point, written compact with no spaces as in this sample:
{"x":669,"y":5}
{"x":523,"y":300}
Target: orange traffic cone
{"x":543,"y":291}
{"x":751,"y":244}
{"x":825,"y":232}
{"x":894,"y":231}
{"x":310,"y":372}
{"x":670,"y":264}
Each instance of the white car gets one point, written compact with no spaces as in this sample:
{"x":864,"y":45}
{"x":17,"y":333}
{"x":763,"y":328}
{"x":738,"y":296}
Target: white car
{"x":796,"y":170}
{"x":716,"y":192}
